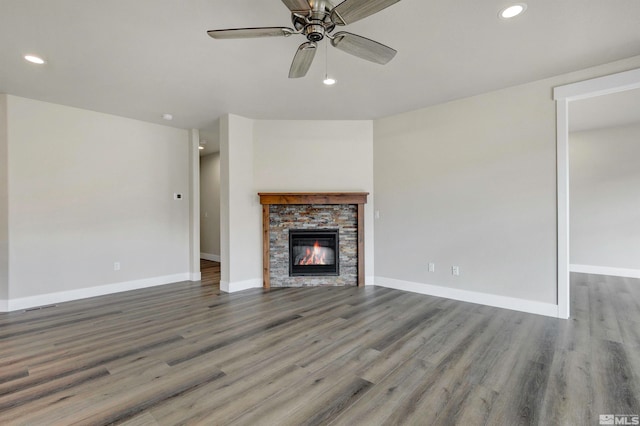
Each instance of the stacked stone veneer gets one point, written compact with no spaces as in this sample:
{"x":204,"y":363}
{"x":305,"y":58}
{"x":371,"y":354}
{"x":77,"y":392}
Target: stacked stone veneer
{"x":283,"y":217}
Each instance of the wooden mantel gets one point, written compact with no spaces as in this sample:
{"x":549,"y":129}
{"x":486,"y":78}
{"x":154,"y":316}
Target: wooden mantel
{"x":313,"y":198}
{"x":268,"y":198}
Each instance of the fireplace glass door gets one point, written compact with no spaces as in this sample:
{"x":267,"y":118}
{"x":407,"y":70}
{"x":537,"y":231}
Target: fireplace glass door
{"x":313,"y":252}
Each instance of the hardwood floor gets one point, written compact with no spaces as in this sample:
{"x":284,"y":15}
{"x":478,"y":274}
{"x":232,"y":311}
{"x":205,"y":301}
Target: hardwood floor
{"x":210,"y":273}
{"x":186,"y":354}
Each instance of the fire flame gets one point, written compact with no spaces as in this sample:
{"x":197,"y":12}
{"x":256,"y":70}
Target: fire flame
{"x":317,"y":256}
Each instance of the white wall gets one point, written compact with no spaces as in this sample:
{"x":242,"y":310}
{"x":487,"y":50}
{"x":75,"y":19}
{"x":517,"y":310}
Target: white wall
{"x":297,"y":156}
{"x":473,"y":183}
{"x":194,"y":205}
{"x":605,"y":198}
{"x":240,"y":210}
{"x":470,"y":183}
{"x":88,"y":189}
{"x":317,"y":156}
{"x":210,"y":206}
{"x":4,"y":207}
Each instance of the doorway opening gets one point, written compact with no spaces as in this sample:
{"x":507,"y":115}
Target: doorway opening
{"x":564,"y":95}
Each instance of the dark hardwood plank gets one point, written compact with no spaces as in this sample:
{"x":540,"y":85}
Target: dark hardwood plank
{"x":210,"y":273}
{"x":188,"y":354}
{"x":570,"y":386}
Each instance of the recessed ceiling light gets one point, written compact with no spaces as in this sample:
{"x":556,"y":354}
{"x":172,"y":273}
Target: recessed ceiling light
{"x":35,"y":59}
{"x":512,"y":11}
{"x":201,"y":147}
{"x":167,"y":117}
{"x":328,"y":81}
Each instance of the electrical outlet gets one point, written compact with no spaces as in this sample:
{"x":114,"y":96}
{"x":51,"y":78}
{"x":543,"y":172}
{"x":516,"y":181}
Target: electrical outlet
{"x":455,"y":270}
{"x":432,"y":267}
{"x":377,"y":214}
{"x":116,"y":266}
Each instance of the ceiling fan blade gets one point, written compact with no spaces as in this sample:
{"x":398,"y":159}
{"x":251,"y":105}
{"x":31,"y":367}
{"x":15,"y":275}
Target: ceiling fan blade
{"x":303,"y":59}
{"x":251,"y":32}
{"x":363,"y":47}
{"x":301,"y":6}
{"x":350,"y":11}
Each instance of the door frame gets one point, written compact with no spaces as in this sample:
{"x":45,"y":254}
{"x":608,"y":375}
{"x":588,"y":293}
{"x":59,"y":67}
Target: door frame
{"x":564,"y":95}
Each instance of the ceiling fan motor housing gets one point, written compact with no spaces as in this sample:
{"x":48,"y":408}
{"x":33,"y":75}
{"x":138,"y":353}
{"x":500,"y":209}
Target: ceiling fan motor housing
{"x":314,"y":32}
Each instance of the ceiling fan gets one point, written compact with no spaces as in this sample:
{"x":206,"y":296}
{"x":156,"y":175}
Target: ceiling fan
{"x":317,"y":19}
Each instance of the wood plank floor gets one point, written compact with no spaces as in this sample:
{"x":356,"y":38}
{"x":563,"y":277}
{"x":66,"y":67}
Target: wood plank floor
{"x":186,"y":354}
{"x":210,"y":273}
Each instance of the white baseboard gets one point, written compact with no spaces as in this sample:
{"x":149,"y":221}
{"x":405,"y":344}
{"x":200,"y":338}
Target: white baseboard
{"x":211,"y":257}
{"x":195,"y":276}
{"x":605,"y":270}
{"x":83,"y":293}
{"x":504,"y":302}
{"x":369,"y":280}
{"x":228,"y":287}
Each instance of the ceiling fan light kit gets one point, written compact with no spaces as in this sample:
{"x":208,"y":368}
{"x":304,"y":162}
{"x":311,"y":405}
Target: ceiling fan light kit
{"x":328,"y":81}
{"x":317,"y":19}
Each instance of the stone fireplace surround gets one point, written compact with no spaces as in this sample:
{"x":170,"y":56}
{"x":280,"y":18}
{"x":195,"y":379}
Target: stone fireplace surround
{"x":344,"y":210}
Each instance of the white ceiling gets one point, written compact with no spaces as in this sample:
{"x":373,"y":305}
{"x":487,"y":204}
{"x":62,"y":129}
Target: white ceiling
{"x":143,"y":58}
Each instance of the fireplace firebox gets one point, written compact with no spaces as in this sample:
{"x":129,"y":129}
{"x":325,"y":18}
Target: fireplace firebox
{"x":314,"y":252}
